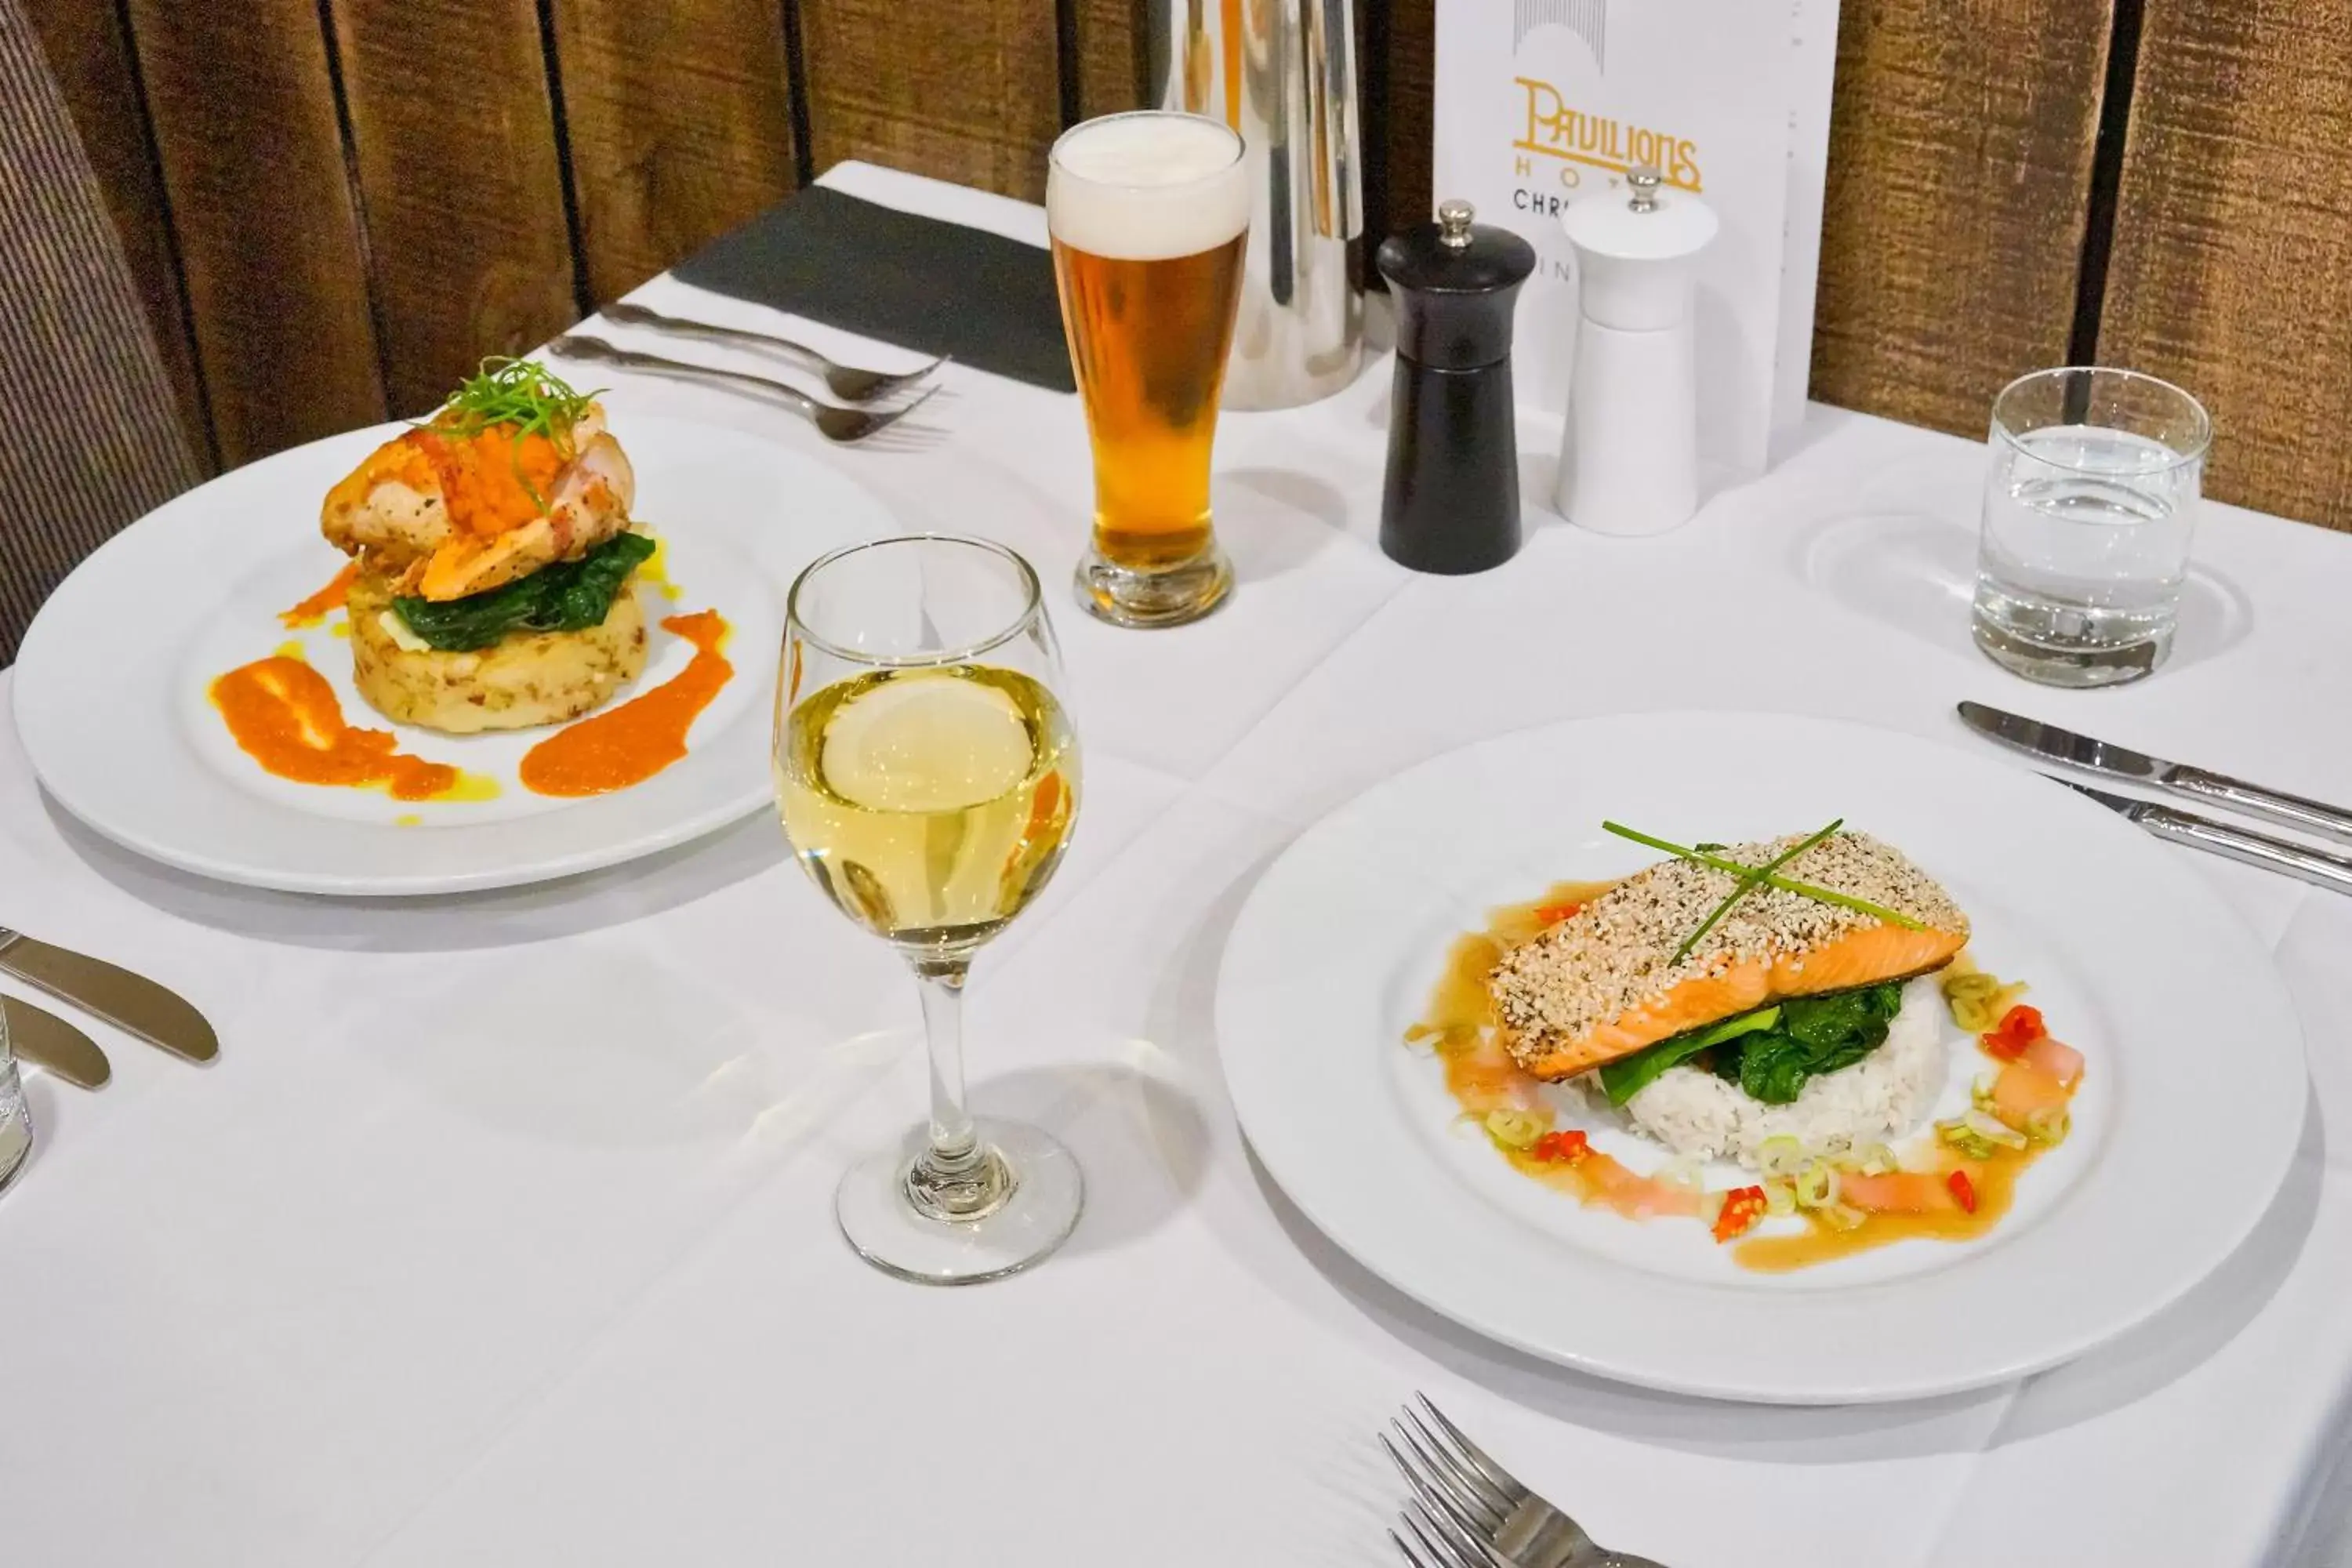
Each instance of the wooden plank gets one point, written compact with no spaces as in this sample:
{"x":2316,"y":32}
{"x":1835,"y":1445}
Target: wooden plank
{"x":967,"y":92}
{"x":91,"y":60}
{"x":2231,"y":267}
{"x":1112,"y":65}
{"x":453,"y":139}
{"x":1959,"y":176}
{"x":679,"y":122}
{"x":1407,"y":93}
{"x":244,"y":112}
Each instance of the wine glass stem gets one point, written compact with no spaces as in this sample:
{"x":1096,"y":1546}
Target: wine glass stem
{"x":955,"y":1177}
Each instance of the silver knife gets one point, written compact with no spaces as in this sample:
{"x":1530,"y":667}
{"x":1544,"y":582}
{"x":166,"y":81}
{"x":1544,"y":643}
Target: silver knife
{"x":47,"y":1041}
{"x":2053,"y":744}
{"x":128,"y":1001}
{"x":2240,"y":844}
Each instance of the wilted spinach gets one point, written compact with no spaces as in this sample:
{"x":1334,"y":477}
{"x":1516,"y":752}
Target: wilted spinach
{"x":569,"y":596}
{"x":1771,"y":1053}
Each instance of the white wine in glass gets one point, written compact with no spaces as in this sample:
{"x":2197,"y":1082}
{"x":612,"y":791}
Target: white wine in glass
{"x":930,"y":804}
{"x":928,"y":783}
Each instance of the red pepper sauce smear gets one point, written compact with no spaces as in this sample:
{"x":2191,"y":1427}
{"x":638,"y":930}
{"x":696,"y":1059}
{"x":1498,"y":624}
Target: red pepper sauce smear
{"x":323,"y":602}
{"x":285,"y":717}
{"x":630,"y":743}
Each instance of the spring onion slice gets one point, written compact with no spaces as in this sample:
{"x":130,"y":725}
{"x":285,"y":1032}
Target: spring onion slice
{"x":1514,"y":1129}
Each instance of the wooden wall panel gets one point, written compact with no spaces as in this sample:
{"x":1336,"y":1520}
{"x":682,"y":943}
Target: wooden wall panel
{"x":91,"y":60}
{"x":1112,"y":64}
{"x":1407,"y":95}
{"x":2231,"y":267}
{"x":461,"y":186}
{"x":967,"y":92}
{"x":680,"y":121}
{"x":1960,"y":172}
{"x":244,"y":112}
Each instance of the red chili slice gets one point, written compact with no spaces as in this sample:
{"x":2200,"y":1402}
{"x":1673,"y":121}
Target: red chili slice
{"x":1963,"y":1190}
{"x":1742,"y":1208}
{"x":2019,"y":1027}
{"x":1566,"y":1147}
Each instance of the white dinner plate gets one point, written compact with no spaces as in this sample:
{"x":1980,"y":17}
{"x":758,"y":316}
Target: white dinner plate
{"x":2189,"y":1114}
{"x":112,"y":681}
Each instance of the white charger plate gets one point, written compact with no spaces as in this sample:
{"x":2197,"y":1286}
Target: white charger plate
{"x":2190,"y":1112}
{"x":110,"y":688}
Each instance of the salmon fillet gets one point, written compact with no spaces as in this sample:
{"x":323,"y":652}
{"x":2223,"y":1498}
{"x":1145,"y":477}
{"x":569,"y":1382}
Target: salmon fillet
{"x":1602,"y":984}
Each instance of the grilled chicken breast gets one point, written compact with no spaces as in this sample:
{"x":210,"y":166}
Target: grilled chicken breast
{"x":1602,"y":984}
{"x":444,"y":514}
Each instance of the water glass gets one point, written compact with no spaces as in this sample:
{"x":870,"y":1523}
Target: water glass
{"x":2089,"y":505}
{"x":15,"y":1121}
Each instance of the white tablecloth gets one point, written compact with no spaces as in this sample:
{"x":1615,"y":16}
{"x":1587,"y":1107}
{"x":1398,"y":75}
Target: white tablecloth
{"x":501,"y":1231}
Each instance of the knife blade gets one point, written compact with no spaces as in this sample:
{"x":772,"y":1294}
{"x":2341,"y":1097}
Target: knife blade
{"x":41,"y":1038}
{"x":2333,"y":872}
{"x":128,"y":1001}
{"x":2050,"y":743}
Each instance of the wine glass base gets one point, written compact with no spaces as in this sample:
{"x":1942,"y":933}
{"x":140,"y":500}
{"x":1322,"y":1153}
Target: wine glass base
{"x":1035,"y":1217}
{"x":1126,"y":598}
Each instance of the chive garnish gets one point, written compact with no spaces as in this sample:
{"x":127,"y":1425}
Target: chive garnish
{"x":1786,"y":884}
{"x":1749,"y":884}
{"x":522,"y":392}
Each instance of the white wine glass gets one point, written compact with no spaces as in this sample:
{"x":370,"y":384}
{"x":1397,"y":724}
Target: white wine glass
{"x":928,"y":782}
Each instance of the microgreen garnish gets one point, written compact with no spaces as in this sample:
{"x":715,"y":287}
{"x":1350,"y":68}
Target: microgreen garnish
{"x":1786,"y":884}
{"x":1749,"y":884}
{"x":522,"y":392}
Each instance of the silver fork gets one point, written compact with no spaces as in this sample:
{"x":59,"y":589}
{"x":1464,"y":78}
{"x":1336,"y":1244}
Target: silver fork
{"x":841,"y":425}
{"x":1470,"y":1513}
{"x":846,"y":381}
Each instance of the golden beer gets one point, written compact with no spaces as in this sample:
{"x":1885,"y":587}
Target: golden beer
{"x":1149,"y":213}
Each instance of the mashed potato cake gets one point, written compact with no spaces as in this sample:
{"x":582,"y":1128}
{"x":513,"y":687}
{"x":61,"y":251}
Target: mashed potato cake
{"x":525,"y":679}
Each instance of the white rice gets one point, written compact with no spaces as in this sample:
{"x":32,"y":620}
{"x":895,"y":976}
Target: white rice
{"x":1877,"y":1099}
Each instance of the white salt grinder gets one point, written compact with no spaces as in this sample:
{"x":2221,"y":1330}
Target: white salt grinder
{"x":1629,"y":452}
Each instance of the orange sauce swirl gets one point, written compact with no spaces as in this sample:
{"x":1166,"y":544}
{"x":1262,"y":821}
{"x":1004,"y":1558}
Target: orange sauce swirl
{"x":630,"y":743}
{"x":284,"y":715}
{"x":323,"y":602}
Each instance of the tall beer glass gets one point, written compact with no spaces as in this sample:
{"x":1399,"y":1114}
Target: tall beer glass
{"x":1148,"y":213}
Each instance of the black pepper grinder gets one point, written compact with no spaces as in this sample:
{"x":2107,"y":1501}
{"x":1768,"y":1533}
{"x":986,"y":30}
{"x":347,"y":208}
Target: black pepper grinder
{"x":1452,"y":504}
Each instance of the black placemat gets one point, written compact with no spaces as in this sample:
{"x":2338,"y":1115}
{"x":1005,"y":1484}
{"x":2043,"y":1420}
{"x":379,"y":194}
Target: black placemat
{"x":940,"y":288}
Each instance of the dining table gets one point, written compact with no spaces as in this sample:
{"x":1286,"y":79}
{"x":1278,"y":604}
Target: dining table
{"x":501,"y":1231}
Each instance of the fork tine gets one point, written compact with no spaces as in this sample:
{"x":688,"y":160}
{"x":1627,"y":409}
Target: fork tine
{"x":908,"y":377}
{"x":1435,"y":1497}
{"x":1466,"y":1548}
{"x":1472,"y":1477}
{"x":1409,"y":1555}
{"x":884,"y":421}
{"x":1480,"y":1508}
{"x":1504,"y":1482}
{"x":1448,"y":1552}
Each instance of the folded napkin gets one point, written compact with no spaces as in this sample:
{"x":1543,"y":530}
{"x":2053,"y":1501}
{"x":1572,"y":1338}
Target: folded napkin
{"x":915,"y":282}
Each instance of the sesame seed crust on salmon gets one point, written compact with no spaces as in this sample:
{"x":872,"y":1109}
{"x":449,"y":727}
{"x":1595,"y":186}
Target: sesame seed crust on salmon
{"x":1601,"y":984}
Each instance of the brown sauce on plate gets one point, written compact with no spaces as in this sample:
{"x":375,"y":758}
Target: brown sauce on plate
{"x":1996,"y":1189}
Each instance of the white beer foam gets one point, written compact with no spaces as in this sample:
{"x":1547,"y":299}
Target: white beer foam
{"x":1143,"y":187}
